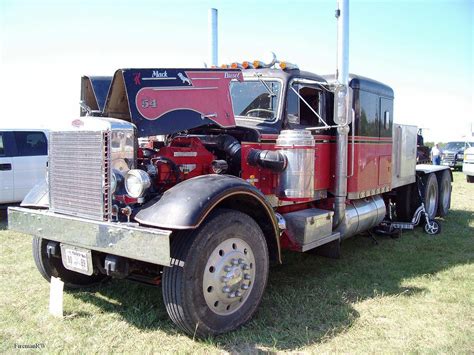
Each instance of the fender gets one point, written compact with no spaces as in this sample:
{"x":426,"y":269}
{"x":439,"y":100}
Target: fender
{"x":38,"y":196}
{"x":187,"y":204}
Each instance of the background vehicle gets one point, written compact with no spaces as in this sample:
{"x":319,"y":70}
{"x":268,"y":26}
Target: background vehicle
{"x":255,"y":159}
{"x":468,"y":164}
{"x":23,"y":162}
{"x":453,"y":154}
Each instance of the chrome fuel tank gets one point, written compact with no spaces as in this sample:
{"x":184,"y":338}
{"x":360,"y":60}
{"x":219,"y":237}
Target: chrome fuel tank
{"x":297,"y":181}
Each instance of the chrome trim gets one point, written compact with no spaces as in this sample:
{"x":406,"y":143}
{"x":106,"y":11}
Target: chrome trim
{"x":134,"y":242}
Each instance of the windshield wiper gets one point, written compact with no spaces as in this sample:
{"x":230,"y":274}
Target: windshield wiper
{"x":270,"y":92}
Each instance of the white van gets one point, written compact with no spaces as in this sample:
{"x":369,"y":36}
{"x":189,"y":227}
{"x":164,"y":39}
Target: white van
{"x":23,"y":162}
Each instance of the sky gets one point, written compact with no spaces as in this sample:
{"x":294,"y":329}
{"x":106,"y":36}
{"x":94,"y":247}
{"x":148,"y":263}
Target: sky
{"x":423,"y":49}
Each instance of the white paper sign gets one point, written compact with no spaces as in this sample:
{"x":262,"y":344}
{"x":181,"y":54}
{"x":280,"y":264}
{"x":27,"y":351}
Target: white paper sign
{"x":56,"y":297}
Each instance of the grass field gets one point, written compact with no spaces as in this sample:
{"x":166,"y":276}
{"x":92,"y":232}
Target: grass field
{"x":413,"y":294}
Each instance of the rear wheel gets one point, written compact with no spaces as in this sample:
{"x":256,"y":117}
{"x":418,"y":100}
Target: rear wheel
{"x":430,"y":194}
{"x":53,"y":266}
{"x":444,"y":202}
{"x":218,"y":274}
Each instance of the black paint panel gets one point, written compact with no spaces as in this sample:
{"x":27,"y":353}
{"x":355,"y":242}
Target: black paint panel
{"x":186,"y":204}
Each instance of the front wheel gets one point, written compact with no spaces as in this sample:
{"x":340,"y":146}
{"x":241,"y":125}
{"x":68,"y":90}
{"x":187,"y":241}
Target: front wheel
{"x":218,"y":274}
{"x":432,"y":228}
{"x":53,"y":266}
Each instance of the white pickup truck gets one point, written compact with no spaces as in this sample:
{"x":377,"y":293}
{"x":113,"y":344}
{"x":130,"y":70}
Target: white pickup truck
{"x":468,"y":164}
{"x":23,"y":162}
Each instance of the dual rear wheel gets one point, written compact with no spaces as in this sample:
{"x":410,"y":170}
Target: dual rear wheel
{"x":436,"y":193}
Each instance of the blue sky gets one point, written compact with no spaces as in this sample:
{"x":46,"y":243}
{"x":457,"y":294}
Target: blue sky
{"x":423,"y":49}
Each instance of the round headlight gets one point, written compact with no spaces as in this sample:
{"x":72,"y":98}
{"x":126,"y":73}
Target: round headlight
{"x":113,"y":182}
{"x":136,"y":183}
{"x":116,"y":181}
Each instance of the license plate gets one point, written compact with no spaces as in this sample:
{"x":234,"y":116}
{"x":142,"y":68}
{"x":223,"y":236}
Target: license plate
{"x":77,"y":259}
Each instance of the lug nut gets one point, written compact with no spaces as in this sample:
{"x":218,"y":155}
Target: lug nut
{"x":238,"y":293}
{"x":235,"y":262}
{"x":241,"y":261}
{"x":244,"y":287}
{"x":225,"y":279}
{"x":247,"y":276}
{"x":227,"y":268}
{"x":226,"y":289}
{"x":245,"y":267}
{"x":232,"y":295}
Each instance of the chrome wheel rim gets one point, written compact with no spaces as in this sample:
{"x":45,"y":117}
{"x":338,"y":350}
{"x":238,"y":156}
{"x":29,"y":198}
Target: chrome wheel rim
{"x":431,"y":200}
{"x":431,"y":228}
{"x":228,"y":276}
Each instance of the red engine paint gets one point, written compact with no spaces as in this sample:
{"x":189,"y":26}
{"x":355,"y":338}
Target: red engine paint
{"x":188,"y":154}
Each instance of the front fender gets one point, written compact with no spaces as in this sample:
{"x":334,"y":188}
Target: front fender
{"x":187,"y":204}
{"x":38,"y":196}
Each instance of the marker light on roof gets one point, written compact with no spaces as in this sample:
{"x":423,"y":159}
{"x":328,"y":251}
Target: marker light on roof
{"x":247,"y":65}
{"x":225,"y":66}
{"x":258,"y":64}
{"x":289,"y":66}
{"x":236,"y":65}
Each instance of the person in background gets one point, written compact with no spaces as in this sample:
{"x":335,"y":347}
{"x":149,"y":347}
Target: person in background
{"x":436,"y":154}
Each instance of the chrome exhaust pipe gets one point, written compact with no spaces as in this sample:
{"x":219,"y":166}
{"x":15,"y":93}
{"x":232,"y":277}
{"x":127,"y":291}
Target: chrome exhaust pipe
{"x":341,"y":111}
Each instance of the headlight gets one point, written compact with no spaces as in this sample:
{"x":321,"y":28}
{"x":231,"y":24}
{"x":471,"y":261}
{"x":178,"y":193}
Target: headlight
{"x":113,"y":183}
{"x":459,"y":156}
{"x":136,"y":183}
{"x":116,"y":180}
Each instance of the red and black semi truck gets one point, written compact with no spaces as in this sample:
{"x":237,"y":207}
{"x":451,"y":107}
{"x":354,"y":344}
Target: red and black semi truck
{"x":239,"y":164}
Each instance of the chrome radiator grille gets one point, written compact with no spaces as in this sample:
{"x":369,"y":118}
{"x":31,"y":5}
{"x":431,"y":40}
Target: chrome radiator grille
{"x":79,"y":174}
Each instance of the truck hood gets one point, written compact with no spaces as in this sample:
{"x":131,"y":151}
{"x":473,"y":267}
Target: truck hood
{"x":166,"y":101}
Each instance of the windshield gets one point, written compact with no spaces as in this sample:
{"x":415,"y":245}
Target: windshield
{"x":454,"y":146}
{"x":251,"y":99}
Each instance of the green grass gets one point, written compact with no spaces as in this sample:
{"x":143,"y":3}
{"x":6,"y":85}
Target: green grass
{"x":413,"y":294}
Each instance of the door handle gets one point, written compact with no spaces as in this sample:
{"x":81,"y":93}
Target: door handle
{"x":6,"y":166}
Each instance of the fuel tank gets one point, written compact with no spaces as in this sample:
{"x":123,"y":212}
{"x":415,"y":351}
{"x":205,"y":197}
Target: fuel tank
{"x":362,"y":215}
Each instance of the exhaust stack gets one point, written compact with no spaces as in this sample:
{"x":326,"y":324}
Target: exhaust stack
{"x":213,"y":37}
{"x":341,"y":110}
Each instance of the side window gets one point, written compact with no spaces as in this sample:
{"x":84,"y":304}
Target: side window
{"x":300,"y":109}
{"x":2,"y":149}
{"x":31,"y":143}
{"x":369,"y":114}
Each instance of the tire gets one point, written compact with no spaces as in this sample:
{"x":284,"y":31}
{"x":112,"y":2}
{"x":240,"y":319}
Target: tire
{"x":432,"y":228}
{"x":444,"y":193}
{"x":470,"y":178}
{"x":407,"y":202}
{"x":54,"y":267}
{"x":206,"y":290}
{"x":430,"y":194}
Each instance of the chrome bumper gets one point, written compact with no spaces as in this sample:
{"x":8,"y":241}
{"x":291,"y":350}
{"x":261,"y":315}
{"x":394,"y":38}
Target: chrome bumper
{"x":134,"y":242}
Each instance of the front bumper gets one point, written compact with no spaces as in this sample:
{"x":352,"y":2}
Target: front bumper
{"x":468,"y":168}
{"x":146,"y":244}
{"x":451,"y":163}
